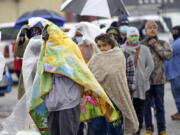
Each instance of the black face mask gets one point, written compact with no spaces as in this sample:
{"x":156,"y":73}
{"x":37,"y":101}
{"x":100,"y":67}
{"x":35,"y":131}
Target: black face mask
{"x":175,"y":36}
{"x":35,"y":33}
{"x":176,"y":32}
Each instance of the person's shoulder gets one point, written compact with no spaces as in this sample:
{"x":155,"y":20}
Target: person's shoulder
{"x":176,"y":41}
{"x":144,"y":47}
{"x":162,"y":41}
{"x":122,"y":46}
{"x":144,"y":41}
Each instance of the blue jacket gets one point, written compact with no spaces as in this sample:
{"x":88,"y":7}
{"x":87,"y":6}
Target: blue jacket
{"x":173,"y":65}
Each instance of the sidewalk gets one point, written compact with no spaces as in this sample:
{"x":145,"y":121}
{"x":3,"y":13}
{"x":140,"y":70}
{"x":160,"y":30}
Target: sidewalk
{"x":173,"y":127}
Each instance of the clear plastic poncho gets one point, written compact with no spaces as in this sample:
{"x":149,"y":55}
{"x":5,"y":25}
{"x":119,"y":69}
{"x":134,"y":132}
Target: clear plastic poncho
{"x":2,"y":65}
{"x":20,"y":120}
{"x":88,"y":30}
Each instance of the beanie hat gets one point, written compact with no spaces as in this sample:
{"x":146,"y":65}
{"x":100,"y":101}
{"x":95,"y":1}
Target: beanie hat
{"x":123,"y":20}
{"x":113,"y":30}
{"x":132,"y":31}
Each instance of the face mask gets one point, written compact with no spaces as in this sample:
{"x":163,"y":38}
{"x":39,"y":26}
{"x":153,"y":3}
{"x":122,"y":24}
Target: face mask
{"x":78,"y":39}
{"x":123,"y":29}
{"x":175,"y":36}
{"x":175,"y":32}
{"x":133,"y":40}
{"x":35,"y":33}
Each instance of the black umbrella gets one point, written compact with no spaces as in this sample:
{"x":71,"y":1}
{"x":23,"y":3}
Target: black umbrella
{"x":47,"y":14}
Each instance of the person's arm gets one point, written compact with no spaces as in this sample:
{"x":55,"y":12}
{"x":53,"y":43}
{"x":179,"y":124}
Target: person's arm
{"x":149,"y":64}
{"x":162,"y":48}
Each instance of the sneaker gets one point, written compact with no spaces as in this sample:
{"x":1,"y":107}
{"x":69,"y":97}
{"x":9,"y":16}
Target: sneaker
{"x":175,"y":116}
{"x":163,"y":133}
{"x":149,"y":131}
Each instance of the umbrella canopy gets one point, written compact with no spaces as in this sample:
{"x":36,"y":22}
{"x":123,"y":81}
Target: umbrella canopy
{"x":101,"y":8}
{"x":47,"y":14}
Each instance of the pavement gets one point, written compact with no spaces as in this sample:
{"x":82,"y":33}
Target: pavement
{"x":8,"y":102}
{"x":173,"y":126}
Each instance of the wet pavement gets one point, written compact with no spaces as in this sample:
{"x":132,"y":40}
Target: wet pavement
{"x":8,"y":102}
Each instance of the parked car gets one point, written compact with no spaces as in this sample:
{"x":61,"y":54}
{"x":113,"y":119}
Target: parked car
{"x":8,"y":37}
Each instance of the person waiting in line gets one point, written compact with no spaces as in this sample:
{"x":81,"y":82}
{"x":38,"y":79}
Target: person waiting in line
{"x":109,"y":68}
{"x":144,"y":65}
{"x":130,"y":69}
{"x":173,"y":70}
{"x":161,"y":52}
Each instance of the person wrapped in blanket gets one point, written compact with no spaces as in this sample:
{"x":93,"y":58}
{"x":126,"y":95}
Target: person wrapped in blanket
{"x":109,"y":68}
{"x":66,"y":91}
{"x":63,"y":103}
{"x":60,"y":56}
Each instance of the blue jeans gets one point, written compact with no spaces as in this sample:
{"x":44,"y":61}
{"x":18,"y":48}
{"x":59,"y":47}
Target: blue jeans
{"x":175,"y":87}
{"x":101,"y":127}
{"x":156,"y":93}
{"x":114,"y":129}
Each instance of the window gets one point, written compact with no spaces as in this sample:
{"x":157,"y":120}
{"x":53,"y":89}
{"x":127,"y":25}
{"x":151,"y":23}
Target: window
{"x":8,"y":33}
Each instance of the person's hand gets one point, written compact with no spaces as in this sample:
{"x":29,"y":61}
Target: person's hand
{"x":152,"y":42}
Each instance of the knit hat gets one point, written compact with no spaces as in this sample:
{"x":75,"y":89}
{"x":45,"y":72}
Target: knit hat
{"x":132,"y":31}
{"x":123,"y":20}
{"x":112,"y":30}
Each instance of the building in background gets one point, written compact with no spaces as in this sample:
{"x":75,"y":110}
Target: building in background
{"x":141,"y":7}
{"x":10,"y":10}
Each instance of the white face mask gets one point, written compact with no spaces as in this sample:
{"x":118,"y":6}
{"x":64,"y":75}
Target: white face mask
{"x":78,"y":39}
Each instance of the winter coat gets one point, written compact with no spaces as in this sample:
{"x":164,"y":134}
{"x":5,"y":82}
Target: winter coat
{"x":173,"y":65}
{"x":144,"y":68}
{"x":161,"y":52}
